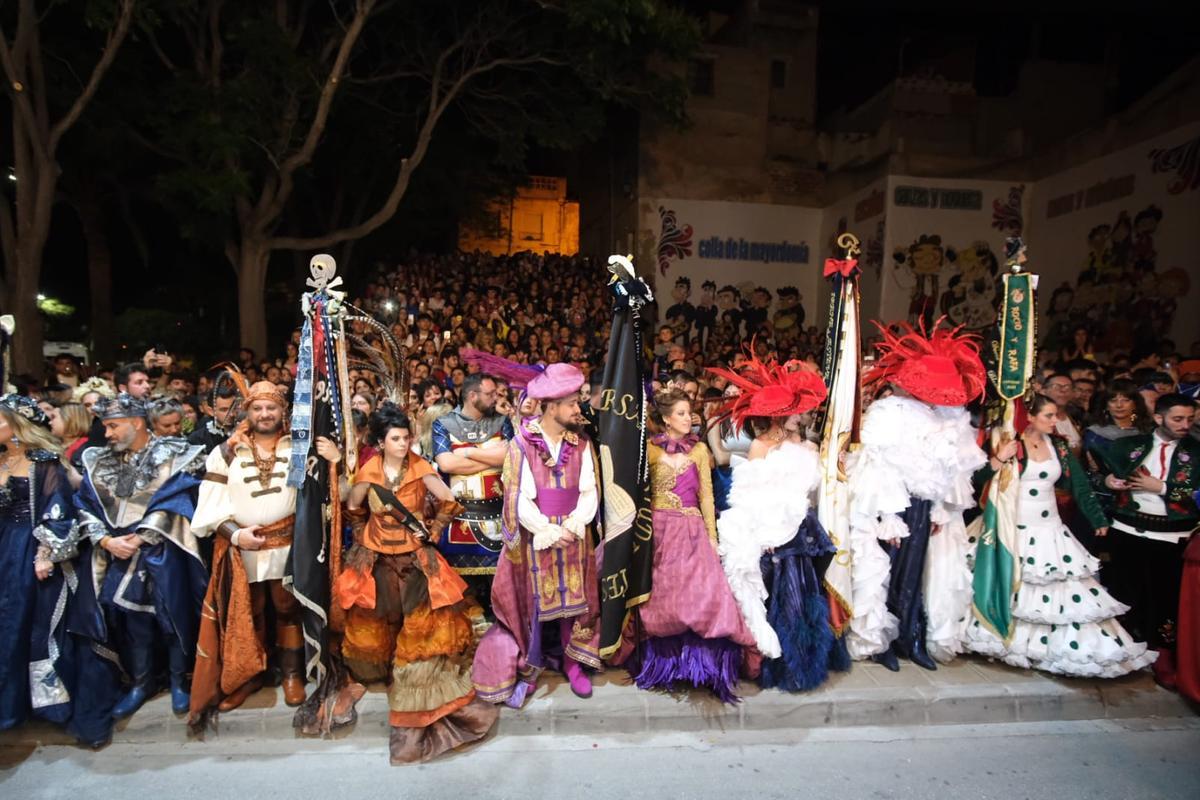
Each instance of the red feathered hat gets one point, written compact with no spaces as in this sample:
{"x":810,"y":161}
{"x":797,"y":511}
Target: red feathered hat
{"x":771,"y":390}
{"x":941,"y":367}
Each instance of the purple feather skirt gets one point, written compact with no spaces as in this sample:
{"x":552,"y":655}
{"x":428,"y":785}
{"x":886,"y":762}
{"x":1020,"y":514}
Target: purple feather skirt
{"x":691,"y":631}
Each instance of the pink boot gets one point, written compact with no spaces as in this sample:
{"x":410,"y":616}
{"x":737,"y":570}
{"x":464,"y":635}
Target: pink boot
{"x":581,"y":684}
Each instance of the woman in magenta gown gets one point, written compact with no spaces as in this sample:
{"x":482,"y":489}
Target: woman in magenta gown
{"x":690,"y":632}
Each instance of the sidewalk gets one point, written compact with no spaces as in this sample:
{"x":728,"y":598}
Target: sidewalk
{"x":969,"y":691}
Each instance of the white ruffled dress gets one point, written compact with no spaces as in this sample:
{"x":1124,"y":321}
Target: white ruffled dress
{"x":768,"y":502}
{"x":1065,"y":621}
{"x":911,"y":449}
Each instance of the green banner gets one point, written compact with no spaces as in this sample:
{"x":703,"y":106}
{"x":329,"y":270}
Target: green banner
{"x":995,"y":578}
{"x":1018,"y":335}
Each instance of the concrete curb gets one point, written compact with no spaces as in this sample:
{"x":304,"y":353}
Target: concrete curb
{"x":967,"y":692}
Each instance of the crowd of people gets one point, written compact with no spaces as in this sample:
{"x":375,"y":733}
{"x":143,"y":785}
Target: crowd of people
{"x":146,"y":518}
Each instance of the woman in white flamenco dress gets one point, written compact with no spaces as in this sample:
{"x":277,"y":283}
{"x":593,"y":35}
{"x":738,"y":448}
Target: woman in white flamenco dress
{"x":1064,"y":621}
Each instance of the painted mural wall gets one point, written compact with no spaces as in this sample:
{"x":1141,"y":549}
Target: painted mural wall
{"x":944,"y":248}
{"x":1117,"y":241}
{"x":863,"y":213}
{"x":743,"y":245}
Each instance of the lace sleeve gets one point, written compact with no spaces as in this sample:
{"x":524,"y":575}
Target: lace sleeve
{"x":57,"y":529}
{"x":703,"y":462}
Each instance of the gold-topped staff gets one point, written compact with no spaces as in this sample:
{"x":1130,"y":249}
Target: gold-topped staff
{"x":997,"y":574}
{"x":840,"y":427}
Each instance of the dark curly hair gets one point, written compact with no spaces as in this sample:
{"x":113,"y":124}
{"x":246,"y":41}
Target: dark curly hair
{"x":387,"y":416}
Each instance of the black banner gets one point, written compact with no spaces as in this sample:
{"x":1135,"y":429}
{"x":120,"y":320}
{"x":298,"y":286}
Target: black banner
{"x":307,"y":571}
{"x":627,"y":557}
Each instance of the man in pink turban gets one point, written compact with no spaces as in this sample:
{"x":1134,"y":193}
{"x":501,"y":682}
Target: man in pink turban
{"x":546,"y":578}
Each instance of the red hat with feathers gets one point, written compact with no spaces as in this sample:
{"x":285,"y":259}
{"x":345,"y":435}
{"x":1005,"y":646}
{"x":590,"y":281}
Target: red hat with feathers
{"x":940,"y":367}
{"x":771,"y":389}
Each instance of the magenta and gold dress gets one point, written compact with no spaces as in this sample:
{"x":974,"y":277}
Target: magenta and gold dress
{"x":691,"y":631}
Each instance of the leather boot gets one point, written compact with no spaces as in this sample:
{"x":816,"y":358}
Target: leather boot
{"x":888,"y":659}
{"x":181,"y":696}
{"x":141,"y":668}
{"x":291,"y":663}
{"x":920,"y":652}
{"x":241,"y":694}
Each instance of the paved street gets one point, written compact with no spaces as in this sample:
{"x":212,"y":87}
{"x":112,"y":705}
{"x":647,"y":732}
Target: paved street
{"x":1126,"y":759}
{"x":972,"y":729}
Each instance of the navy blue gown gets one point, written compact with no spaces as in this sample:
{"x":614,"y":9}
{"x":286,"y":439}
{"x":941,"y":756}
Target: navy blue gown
{"x":17,"y":600}
{"x":37,"y":663}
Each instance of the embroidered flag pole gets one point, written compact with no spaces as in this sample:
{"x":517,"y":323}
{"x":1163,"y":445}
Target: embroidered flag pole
{"x":840,"y":427}
{"x":626,"y":555}
{"x":997,"y":575}
{"x":319,"y":410}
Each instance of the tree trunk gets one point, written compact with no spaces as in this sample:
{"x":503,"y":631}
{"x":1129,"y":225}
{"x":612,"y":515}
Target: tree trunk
{"x":99,"y":263}
{"x":28,"y":336}
{"x":252,"y":307}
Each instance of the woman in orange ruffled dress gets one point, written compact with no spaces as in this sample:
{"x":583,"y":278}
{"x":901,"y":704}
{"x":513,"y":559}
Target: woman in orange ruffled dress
{"x":406,"y":619}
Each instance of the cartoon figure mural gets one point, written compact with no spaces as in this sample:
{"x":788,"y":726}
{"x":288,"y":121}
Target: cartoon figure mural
{"x":706,"y":312}
{"x":1120,"y":294}
{"x":972,"y":292}
{"x":681,"y":314}
{"x":1144,"y":226}
{"x":921,"y":263}
{"x":729,"y":311}
{"x":789,"y":315}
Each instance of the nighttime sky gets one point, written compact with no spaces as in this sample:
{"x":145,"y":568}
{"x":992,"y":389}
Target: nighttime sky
{"x":861,"y":47}
{"x":862,"y":42}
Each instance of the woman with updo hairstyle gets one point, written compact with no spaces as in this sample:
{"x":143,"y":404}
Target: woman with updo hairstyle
{"x":691,"y":632}
{"x":1123,"y":414}
{"x":38,"y":543}
{"x":406,"y":615}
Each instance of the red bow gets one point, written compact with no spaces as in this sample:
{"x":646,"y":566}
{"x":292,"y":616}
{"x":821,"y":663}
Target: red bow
{"x":835,"y":266}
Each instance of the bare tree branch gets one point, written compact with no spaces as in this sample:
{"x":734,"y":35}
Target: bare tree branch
{"x":115,"y":39}
{"x":154,"y":146}
{"x":439,"y":101}
{"x":387,"y":77}
{"x":271,"y":202}
{"x":158,"y":51}
{"x":216,"y":43}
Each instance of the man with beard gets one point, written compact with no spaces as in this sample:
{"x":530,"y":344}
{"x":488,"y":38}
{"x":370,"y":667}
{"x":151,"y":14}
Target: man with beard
{"x":222,"y":411}
{"x":246,"y":504}
{"x":548,"y":572}
{"x":1156,"y":477}
{"x":135,"y":503}
{"x":468,"y":446}
{"x":131,"y":379}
